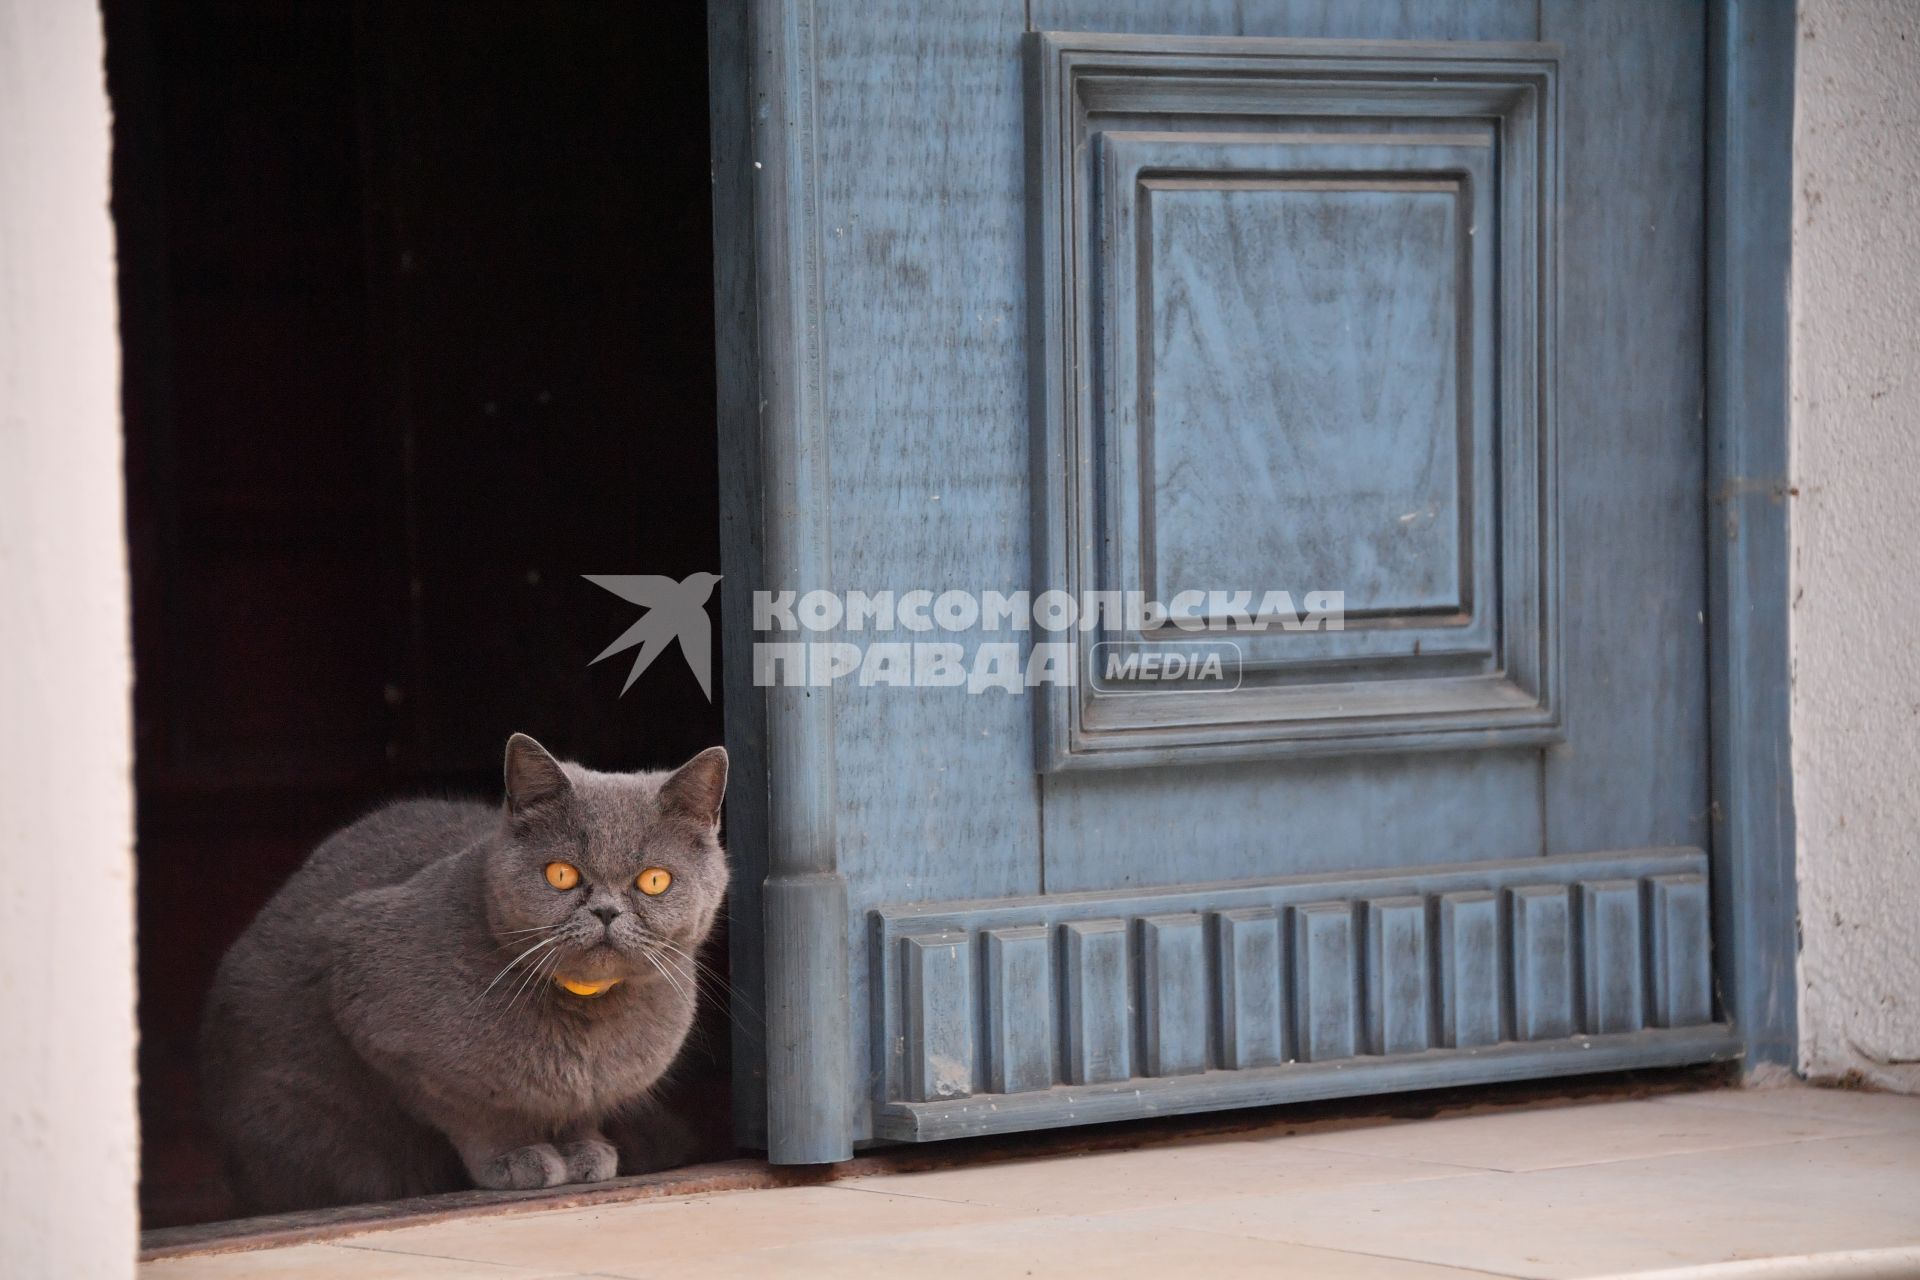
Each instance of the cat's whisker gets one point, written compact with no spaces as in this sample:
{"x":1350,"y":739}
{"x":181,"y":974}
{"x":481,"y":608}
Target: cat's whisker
{"x":544,"y":942}
{"x":649,"y":958}
{"x":693,"y":975}
{"x":675,"y":954}
{"x":527,"y":981}
{"x":671,"y":980}
{"x":520,"y":983}
{"x":716,"y":987}
{"x":549,"y":966}
{"x":533,"y":978}
{"x":667,"y":945}
{"x":702,"y":968}
{"x":744,"y":1028}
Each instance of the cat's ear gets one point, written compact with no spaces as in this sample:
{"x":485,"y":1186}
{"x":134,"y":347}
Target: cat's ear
{"x":698,"y":786}
{"x":533,"y":776}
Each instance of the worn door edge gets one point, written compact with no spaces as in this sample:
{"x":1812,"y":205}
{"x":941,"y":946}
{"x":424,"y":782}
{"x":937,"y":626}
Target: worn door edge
{"x":1750,"y":59}
{"x":767,"y":211}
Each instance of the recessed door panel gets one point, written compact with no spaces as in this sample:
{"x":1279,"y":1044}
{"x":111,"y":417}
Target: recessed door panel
{"x":1295,"y":336}
{"x":1333,"y":477}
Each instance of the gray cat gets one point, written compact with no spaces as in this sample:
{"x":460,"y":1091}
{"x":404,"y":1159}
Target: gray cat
{"x":448,"y":995}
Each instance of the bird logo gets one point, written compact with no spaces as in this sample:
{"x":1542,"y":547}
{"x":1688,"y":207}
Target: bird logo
{"x":674,"y":611}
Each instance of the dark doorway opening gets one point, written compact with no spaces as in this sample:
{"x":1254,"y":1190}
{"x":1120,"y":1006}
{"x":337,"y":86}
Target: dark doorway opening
{"x":417,"y":325}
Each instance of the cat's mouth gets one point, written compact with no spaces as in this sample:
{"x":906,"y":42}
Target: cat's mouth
{"x":593,"y":971}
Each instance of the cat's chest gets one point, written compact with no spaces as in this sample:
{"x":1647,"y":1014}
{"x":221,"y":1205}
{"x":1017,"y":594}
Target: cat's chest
{"x":581,"y":1064}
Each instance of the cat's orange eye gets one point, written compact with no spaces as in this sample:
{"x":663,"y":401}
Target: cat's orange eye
{"x":562,"y":875}
{"x":654,"y":881}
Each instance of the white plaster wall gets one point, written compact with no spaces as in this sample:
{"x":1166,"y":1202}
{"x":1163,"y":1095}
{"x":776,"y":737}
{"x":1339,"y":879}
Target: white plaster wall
{"x":67,"y":1130}
{"x":1856,"y":536}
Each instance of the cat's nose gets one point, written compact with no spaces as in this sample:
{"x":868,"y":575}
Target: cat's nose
{"x":606,"y":911}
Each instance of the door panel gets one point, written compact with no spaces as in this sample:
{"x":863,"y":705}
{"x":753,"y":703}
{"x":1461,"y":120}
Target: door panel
{"x":1294,"y":316}
{"x":922,"y":246}
{"x":1329,"y":19}
{"x":921,"y":240}
{"x":1237,"y":305}
{"x":1241,"y":821}
{"x":1315,"y":987}
{"x":1632,"y":431}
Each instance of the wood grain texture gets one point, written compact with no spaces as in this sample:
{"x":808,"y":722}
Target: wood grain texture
{"x":1113,"y":828}
{"x":1679,"y":951}
{"x":1225,"y":979}
{"x":1188,"y":193}
{"x":741,"y":553}
{"x":938,"y":989}
{"x":793,"y":1084}
{"x":1541,"y":926}
{"x":1020,"y":1019}
{"x":1341,"y":479}
{"x":1634,"y":560}
{"x":1324,"y":969}
{"x":1473,"y":960}
{"x":1320,"y":19}
{"x":1749,"y":221}
{"x":1305,"y":1082}
{"x":1253,"y":988}
{"x":807,"y":1089}
{"x":1611,"y":955}
{"x":920,"y":343}
{"x":1340,"y":466}
{"x":1175,"y":993}
{"x":922,"y":240}
{"x":1097,"y":1002}
{"x":1399,"y":996}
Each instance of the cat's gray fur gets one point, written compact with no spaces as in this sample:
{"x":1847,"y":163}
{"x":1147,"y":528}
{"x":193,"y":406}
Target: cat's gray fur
{"x":353,"y":1049}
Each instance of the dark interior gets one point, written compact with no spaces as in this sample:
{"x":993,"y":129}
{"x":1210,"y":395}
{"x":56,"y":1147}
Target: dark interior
{"x":416,"y":307}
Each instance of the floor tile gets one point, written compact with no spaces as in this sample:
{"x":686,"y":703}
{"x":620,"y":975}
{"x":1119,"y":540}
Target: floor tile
{"x":1058,"y":1247}
{"x":1898,"y":1263}
{"x":331,"y":1262}
{"x":1151,"y":1178}
{"x":1880,"y":1112}
{"x":1569,"y":1193}
{"x":678,"y":1234}
{"x":1603,"y":1219}
{"x":1558,"y":1136}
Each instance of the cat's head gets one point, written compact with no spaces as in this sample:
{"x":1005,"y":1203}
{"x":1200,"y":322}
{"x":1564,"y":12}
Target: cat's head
{"x":619,"y":875}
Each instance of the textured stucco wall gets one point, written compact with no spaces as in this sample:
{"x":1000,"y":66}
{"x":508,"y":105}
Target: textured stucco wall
{"x":67,"y":1136}
{"x":1856,"y":536}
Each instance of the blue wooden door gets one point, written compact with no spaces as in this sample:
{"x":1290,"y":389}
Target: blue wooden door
{"x":1397,"y":300}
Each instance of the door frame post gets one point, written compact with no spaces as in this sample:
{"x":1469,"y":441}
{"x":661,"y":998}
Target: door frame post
{"x":1750,"y":58}
{"x":774,"y":466}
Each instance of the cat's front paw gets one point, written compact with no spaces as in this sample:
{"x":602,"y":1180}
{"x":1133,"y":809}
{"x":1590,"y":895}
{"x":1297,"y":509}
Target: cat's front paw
{"x":524,"y":1169}
{"x":590,"y":1160}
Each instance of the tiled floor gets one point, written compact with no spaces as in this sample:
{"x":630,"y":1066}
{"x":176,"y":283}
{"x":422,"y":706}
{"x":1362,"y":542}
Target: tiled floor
{"x":1784,"y":1184}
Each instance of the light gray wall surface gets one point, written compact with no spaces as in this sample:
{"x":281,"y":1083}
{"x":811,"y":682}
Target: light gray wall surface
{"x":68,"y":1147}
{"x":1856,"y":537}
